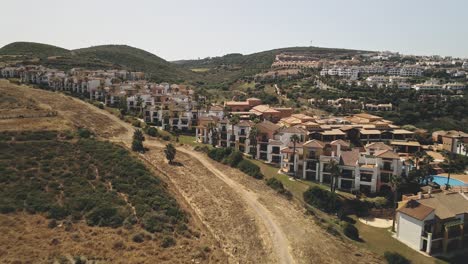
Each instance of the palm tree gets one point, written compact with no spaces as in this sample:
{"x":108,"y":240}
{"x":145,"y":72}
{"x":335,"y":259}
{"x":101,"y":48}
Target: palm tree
{"x":214,"y":133}
{"x":166,"y":117}
{"x":334,"y":174}
{"x":449,"y":160}
{"x":426,"y":167}
{"x":253,"y":140}
{"x":395,"y":181}
{"x":294,"y":139}
{"x":418,"y":155}
{"x":234,"y":120}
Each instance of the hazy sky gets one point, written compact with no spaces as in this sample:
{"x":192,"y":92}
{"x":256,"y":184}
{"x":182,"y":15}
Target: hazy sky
{"x":182,"y":29}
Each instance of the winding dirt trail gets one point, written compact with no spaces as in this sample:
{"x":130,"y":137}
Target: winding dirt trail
{"x":280,"y":242}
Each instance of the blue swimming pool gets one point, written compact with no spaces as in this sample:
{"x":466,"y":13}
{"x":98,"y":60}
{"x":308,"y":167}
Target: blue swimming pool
{"x":442,"y":180}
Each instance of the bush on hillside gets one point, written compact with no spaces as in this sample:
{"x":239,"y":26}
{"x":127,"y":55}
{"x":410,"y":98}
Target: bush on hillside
{"x":219,"y":154}
{"x":279,"y":187}
{"x":322,"y":199}
{"x":84,"y":133}
{"x":251,"y":169}
{"x":152,"y":131}
{"x":351,"y":231}
{"x":233,"y":159}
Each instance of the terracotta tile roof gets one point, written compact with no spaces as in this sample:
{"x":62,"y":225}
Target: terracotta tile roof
{"x":333,"y":132}
{"x":267,"y":126}
{"x":349,"y":158}
{"x":387,"y":154}
{"x":234,"y":103}
{"x":416,"y":210}
{"x":447,"y":205}
{"x":293,"y":130}
{"x":340,"y":142}
{"x":370,"y":132}
{"x":379,"y":146}
{"x":314,"y":144}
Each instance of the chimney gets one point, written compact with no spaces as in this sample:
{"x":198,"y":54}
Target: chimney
{"x":429,"y":190}
{"x":338,"y":150}
{"x":419,"y":195}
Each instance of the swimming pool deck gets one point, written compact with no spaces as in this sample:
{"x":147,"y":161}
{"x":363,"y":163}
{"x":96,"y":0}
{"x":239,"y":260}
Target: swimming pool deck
{"x":460,"y":177}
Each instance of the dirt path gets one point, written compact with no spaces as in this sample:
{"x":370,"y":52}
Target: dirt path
{"x":280,"y":242}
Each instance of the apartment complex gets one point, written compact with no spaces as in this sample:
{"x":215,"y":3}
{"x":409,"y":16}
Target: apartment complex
{"x":304,"y":146}
{"x":164,"y":105}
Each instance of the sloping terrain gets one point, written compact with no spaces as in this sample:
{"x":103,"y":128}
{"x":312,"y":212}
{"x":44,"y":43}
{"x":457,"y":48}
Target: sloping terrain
{"x":231,"y":67}
{"x":32,"y":49}
{"x":62,"y":197}
{"x":100,"y":57}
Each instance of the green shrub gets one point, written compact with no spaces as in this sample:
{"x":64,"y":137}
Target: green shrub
{"x":105,"y":215}
{"x":52,"y":224}
{"x":152,"y":131}
{"x":219,"y":154}
{"x":168,"y":242}
{"x":250,"y":168}
{"x":58,"y":212}
{"x":138,"y":238}
{"x":204,"y":149}
{"x":351,"y":231}
{"x":322,"y":199}
{"x":395,"y":258}
{"x":136,"y":123}
{"x":275,"y":184}
{"x":233,"y":159}
{"x":279,"y":187}
{"x":84,"y":133}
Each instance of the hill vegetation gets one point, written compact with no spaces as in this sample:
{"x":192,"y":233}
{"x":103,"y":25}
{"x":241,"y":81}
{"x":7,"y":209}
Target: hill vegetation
{"x":100,"y":57}
{"x":33,"y":49}
{"x":209,"y":72}
{"x":88,"y":180}
{"x":231,"y":67}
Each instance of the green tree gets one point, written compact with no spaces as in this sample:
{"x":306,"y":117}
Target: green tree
{"x":233,"y":120}
{"x":138,"y":135}
{"x":253,"y":141}
{"x":418,"y":155}
{"x":213,"y":131}
{"x":137,"y":143}
{"x":334,"y":174}
{"x":294,"y":139}
{"x":395,"y":181}
{"x":170,"y":152}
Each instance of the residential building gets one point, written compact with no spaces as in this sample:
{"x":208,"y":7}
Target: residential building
{"x":434,"y":222}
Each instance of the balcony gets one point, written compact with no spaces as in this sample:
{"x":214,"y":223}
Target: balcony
{"x":387,"y":166}
{"x":311,"y":166}
{"x":347,"y":174}
{"x":366,"y":177}
{"x":275,"y":150}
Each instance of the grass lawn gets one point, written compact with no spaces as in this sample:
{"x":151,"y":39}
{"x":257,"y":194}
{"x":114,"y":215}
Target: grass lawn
{"x":200,"y":69}
{"x":380,"y":240}
{"x":190,"y":140}
{"x":296,"y":187}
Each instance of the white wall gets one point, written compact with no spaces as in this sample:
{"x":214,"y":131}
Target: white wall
{"x":409,"y":231}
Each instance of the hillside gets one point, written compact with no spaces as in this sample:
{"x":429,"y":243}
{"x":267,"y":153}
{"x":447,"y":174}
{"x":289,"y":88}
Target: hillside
{"x":230,"y":67}
{"x":136,"y":59}
{"x":32,"y":49}
{"x":100,"y":57}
